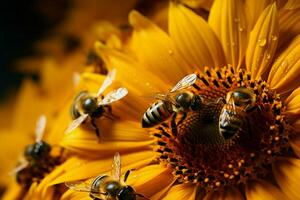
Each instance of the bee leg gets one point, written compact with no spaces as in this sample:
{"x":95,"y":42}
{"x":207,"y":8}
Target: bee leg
{"x":174,"y":125}
{"x":93,"y":122}
{"x":183,"y":117}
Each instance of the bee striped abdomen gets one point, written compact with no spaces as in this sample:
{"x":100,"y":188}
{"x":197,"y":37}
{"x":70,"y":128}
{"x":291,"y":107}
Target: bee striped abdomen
{"x":156,"y":113}
{"x":229,"y":123}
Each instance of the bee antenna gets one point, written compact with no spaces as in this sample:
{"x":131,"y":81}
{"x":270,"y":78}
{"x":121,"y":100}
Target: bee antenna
{"x":126,"y":175}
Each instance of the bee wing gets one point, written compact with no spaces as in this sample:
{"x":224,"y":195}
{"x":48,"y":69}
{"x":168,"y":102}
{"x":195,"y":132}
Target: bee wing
{"x":79,"y":186}
{"x":185,"y":82}
{"x":75,"y":123}
{"x":107,"y":81}
{"x":165,"y":97}
{"x":113,"y":96}
{"x":76,"y":78}
{"x":24,"y":163}
{"x":116,"y":166}
{"x":40,"y":128}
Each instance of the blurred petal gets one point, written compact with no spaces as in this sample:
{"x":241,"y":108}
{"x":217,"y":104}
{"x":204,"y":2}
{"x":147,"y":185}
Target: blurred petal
{"x":289,"y":26}
{"x":295,"y":143}
{"x":287,"y":174}
{"x":196,"y":4}
{"x":284,"y":74}
{"x":292,"y":4}
{"x":228,"y":193}
{"x":254,"y":9}
{"x":181,"y":191}
{"x":262,"y":42}
{"x":156,"y":51}
{"x":227,"y":19}
{"x":293,"y":103}
{"x":261,"y":190}
{"x":194,"y":38}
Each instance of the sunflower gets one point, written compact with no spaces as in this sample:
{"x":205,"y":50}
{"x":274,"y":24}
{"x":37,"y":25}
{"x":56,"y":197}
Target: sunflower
{"x":246,"y":60}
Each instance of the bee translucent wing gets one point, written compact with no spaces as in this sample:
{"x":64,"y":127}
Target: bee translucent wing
{"x":79,"y":186}
{"x":165,"y":97}
{"x":113,"y":96}
{"x":24,"y":163}
{"x":107,"y":81}
{"x":40,"y":128}
{"x":75,"y":123}
{"x":185,"y":82}
{"x":76,"y":78}
{"x":116,"y":166}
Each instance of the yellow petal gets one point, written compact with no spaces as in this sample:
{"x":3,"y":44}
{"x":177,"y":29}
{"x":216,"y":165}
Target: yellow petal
{"x":261,"y":190}
{"x":292,"y":4}
{"x":284,"y":74}
{"x":254,"y":9}
{"x":181,"y":191}
{"x":228,"y":193}
{"x":287,"y":174}
{"x":194,"y":38}
{"x":262,"y":42}
{"x":196,"y":4}
{"x":295,"y":143}
{"x":75,"y":195}
{"x":293,"y":103}
{"x":227,"y":19}
{"x":84,"y":169}
{"x":150,"y":180}
{"x":289,"y":26}
{"x":156,"y":51}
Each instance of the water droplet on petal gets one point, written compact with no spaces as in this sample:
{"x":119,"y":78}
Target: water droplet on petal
{"x":241,"y":29}
{"x":274,"y":37}
{"x":170,"y":52}
{"x":262,"y":42}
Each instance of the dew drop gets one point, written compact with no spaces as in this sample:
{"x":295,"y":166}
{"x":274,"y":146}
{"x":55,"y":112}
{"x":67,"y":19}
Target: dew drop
{"x":237,"y":19}
{"x":241,"y":29}
{"x":274,"y":37}
{"x":262,"y":42}
{"x":170,"y":52}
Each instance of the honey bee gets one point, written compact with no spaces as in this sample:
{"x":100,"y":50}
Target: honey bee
{"x":95,"y":106}
{"x":176,"y":100}
{"x":233,"y":114}
{"x":105,"y":187}
{"x":37,"y":160}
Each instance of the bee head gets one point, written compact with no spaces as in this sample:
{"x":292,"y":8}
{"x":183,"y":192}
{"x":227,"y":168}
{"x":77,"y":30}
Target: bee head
{"x":89,"y":105}
{"x":37,"y":151}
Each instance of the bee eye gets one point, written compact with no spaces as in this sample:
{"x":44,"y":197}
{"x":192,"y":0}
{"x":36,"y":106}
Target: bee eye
{"x":127,"y":193}
{"x":89,"y":105}
{"x":196,"y":103}
{"x":183,"y":100}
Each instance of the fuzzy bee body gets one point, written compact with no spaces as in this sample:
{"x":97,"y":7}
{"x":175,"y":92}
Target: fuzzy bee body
{"x":37,"y":159}
{"x":156,"y":113}
{"x":176,"y":100}
{"x":233,"y":116}
{"x":86,"y":105}
{"x":106,"y":187}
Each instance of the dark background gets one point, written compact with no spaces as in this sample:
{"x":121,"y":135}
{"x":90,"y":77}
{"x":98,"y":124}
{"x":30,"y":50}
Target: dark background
{"x":22,"y":23}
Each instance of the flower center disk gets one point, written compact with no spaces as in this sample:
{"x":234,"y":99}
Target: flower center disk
{"x":236,"y":135}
